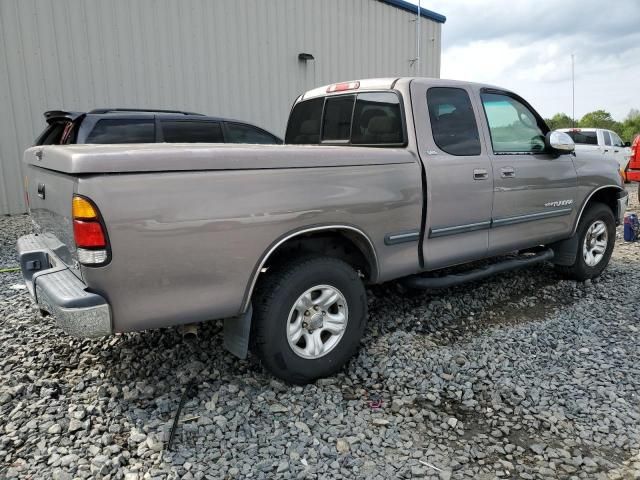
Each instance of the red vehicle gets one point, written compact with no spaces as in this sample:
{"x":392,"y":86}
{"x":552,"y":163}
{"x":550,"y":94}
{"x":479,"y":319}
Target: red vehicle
{"x":633,"y":170}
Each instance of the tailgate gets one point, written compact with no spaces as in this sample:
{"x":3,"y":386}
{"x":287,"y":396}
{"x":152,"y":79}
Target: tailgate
{"x":50,"y":195}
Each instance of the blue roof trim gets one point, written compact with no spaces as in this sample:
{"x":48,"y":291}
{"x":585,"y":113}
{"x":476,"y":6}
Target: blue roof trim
{"x":413,"y":8}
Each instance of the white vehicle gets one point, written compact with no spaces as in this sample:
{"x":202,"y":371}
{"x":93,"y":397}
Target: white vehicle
{"x":607,"y":142}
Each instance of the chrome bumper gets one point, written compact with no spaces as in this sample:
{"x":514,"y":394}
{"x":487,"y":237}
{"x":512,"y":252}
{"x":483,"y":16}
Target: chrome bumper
{"x":57,"y":291}
{"x":623,"y":202}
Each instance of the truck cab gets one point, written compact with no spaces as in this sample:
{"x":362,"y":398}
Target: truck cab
{"x":605,"y":142}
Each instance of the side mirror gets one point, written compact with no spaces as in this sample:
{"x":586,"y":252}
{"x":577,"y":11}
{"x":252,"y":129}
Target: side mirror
{"x":627,"y":144}
{"x":559,"y":142}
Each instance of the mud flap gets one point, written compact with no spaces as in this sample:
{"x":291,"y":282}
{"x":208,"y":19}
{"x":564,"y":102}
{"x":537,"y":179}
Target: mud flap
{"x":236,"y":333}
{"x":565,"y":251}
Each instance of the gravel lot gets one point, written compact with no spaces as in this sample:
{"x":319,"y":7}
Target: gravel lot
{"x":522,"y":376}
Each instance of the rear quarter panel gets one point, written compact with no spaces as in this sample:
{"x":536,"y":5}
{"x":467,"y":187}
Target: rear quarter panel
{"x":185,"y":244}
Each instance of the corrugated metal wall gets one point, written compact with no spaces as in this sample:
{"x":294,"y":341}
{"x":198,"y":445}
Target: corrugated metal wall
{"x":231,"y":58}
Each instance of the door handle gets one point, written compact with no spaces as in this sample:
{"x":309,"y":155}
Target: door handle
{"x":507,"y":172}
{"x":616,"y":151}
{"x":480,"y":174}
{"x":606,"y":149}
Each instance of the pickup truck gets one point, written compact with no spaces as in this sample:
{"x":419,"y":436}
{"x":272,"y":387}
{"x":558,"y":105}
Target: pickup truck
{"x":381,"y":179}
{"x":606,"y":142}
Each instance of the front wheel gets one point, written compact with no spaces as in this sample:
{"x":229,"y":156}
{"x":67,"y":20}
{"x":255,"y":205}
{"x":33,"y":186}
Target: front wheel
{"x":309,"y":316}
{"x":596,"y":237}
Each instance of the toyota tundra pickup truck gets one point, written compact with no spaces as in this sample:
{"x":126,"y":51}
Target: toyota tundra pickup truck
{"x":381,"y":179}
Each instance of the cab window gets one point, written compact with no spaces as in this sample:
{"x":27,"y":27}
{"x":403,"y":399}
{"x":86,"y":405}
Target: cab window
{"x":514,"y":128}
{"x":453,"y":123}
{"x":616,"y":140}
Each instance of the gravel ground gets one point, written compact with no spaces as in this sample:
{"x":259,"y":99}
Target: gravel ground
{"x":522,"y":376}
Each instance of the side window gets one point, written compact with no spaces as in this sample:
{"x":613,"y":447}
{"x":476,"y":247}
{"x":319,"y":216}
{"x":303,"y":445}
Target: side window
{"x":377,"y":120}
{"x":453,"y":122}
{"x":190,"y":131}
{"x":513,"y":127}
{"x":304,"y":122}
{"x":239,"y":133}
{"x":616,"y":140}
{"x":607,"y":137}
{"x":122,"y":130}
{"x":336,"y":124}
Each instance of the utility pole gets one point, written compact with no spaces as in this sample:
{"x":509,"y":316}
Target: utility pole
{"x":573,"y":91}
{"x":417,"y":62}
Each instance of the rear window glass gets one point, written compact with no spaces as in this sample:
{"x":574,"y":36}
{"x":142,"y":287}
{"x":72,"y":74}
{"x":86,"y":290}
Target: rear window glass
{"x":304,"y":122}
{"x":453,"y":122}
{"x":123,"y":131}
{"x":185,"y":131}
{"x":336,"y":124}
{"x":376,"y":119}
{"x":52,"y":134}
{"x":240,"y":133}
{"x":584,"y":138}
{"x":59,"y":133}
{"x":362,"y":119}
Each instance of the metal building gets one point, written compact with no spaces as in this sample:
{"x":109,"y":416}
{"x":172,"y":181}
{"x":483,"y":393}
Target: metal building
{"x":246,"y":59}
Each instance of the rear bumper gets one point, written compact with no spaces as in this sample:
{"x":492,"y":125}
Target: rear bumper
{"x":57,"y":291}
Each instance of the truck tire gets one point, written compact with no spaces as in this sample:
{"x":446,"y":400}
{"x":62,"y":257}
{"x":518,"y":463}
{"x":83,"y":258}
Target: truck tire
{"x":309,"y":316}
{"x":596,"y":237}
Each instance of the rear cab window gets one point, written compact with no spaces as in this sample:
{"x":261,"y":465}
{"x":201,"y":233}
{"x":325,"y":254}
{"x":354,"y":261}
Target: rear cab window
{"x":191,"y":131}
{"x":582,"y":137}
{"x":363,"y":119}
{"x":123,"y":130}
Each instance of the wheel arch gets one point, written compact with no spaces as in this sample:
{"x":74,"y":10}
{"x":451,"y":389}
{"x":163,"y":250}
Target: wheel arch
{"x":607,"y":194}
{"x":317,"y":239}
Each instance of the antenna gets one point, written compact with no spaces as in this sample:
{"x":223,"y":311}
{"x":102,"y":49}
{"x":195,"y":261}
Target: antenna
{"x":573,"y":91}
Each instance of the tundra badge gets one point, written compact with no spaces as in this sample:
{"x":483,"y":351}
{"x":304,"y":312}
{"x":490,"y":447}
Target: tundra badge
{"x":559,"y":203}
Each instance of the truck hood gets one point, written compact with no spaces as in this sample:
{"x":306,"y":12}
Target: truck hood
{"x":159,"y":157}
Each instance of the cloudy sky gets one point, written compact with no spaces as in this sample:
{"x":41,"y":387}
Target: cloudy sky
{"x":526,"y":46}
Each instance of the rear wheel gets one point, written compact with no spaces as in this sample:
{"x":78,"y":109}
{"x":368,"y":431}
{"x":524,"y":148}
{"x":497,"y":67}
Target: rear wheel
{"x":596,"y":238}
{"x":309,"y":316}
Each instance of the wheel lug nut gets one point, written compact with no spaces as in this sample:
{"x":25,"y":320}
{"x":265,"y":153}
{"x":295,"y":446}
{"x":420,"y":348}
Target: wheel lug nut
{"x":306,"y":313}
{"x":316,"y":307}
{"x":324,"y":313}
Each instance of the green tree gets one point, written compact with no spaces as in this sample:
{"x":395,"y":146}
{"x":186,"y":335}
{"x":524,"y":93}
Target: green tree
{"x":630,"y":125}
{"x":559,"y":120}
{"x":599,"y":119}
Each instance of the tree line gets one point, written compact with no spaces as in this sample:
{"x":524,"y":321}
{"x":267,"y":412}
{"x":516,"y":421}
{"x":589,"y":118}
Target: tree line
{"x":627,"y":129}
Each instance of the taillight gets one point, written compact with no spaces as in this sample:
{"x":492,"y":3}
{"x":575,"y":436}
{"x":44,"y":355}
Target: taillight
{"x":89,"y":233}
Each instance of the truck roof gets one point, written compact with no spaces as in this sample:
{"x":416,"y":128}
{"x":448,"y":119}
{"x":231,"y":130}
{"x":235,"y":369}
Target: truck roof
{"x":383,"y":84}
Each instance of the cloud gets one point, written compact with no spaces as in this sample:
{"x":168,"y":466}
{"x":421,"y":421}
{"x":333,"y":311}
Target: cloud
{"x":527,"y":47}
